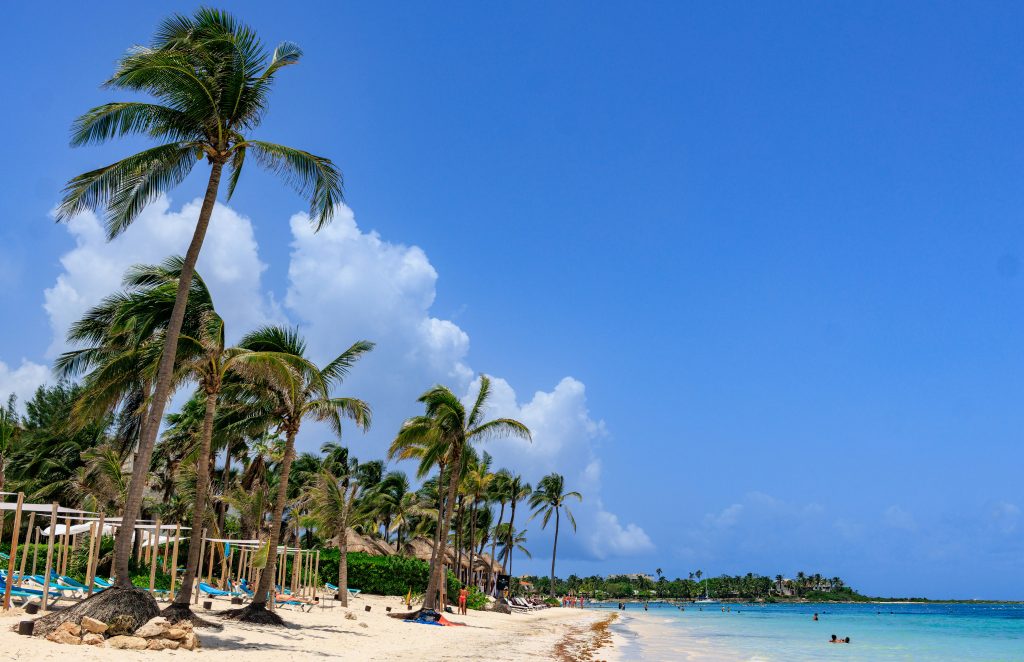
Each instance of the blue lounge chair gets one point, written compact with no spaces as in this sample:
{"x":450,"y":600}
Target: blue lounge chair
{"x":102,"y":583}
{"x":352,"y":591}
{"x":214,"y":592}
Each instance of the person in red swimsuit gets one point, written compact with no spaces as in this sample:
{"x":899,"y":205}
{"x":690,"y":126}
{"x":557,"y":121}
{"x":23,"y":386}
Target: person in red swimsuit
{"x":463,"y":594}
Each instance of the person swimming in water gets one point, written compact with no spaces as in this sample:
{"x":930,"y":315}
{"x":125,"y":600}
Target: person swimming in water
{"x":836,"y":640}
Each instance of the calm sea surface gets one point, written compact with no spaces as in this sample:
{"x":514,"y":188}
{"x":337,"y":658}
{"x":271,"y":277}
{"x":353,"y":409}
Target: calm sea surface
{"x":788,"y":632}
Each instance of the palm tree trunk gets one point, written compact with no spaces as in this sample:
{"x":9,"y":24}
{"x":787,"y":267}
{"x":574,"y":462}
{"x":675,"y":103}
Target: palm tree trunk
{"x":222,"y":511}
{"x":430,"y":599}
{"x":472,"y":540}
{"x":182,"y":598}
{"x":267,"y":579}
{"x":151,"y":425}
{"x":343,"y":568}
{"x":554,"y":552}
{"x":512,"y":534}
{"x":436,"y":555}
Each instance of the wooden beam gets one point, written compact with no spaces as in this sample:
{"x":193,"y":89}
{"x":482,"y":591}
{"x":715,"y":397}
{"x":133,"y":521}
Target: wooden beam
{"x":28,"y":541}
{"x":155,"y":545}
{"x":49,"y":554}
{"x":174,"y":559}
{"x":14,"y":551}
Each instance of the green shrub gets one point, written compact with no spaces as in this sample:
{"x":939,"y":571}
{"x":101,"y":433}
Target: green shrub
{"x":382,"y":575}
{"x":553,"y":602}
{"x":476,"y":598}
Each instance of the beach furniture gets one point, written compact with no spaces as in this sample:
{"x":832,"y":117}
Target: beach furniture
{"x":216,"y":592}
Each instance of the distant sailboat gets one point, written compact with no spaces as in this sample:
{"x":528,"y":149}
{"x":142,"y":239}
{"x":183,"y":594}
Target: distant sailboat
{"x":706,"y":600}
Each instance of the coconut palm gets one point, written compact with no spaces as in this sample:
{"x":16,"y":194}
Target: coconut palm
{"x":518,"y":490}
{"x":499,"y":492}
{"x":10,"y":434}
{"x":209,"y":78}
{"x":550,"y":497}
{"x":203,"y":356}
{"x":283,"y":404}
{"x":476,"y":483}
{"x":445,"y":430}
{"x":509,"y":538}
{"x":331,"y":502}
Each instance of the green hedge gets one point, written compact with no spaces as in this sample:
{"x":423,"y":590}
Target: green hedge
{"x":382,"y":575}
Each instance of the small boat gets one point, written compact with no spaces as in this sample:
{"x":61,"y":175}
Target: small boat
{"x":706,"y":600}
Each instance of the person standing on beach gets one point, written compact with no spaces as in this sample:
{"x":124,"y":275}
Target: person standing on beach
{"x":463,"y":594}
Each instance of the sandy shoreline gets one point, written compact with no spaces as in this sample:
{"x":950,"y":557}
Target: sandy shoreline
{"x":551,"y":634}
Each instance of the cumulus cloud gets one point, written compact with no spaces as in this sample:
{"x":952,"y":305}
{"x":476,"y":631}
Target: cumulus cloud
{"x":21,"y":381}
{"x":565,"y":439}
{"x":229,"y":264}
{"x":344,"y":285}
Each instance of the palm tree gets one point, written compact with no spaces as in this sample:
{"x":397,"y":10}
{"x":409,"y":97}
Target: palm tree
{"x":477,"y":482}
{"x":445,"y":431}
{"x":508,"y":537}
{"x":550,"y":497}
{"x":518,"y":489}
{"x":204,"y":357}
{"x":10,"y":434}
{"x":284,"y":404}
{"x":499,"y":491}
{"x":210,"y":78}
{"x":331,"y":502}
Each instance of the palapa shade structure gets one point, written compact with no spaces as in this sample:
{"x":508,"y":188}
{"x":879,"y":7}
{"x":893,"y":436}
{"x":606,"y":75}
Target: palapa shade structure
{"x":357,"y":543}
{"x":419,"y":548}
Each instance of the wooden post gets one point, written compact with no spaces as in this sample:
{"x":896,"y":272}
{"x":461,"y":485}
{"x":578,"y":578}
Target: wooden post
{"x":167,"y":549}
{"x":174,"y":559}
{"x":65,"y":545}
{"x":155,"y":544}
{"x":24,"y":553}
{"x":209,"y":563}
{"x":14,"y":551}
{"x":223,"y":568}
{"x":316,"y":573}
{"x":49,"y":554}
{"x":88,"y":560}
{"x":199,"y":568}
{"x":35,"y":549}
{"x":94,"y":563}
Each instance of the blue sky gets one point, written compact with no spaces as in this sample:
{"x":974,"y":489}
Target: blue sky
{"x":751,"y":272}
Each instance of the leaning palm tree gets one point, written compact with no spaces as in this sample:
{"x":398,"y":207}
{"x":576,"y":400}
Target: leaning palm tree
{"x":209,"y":78}
{"x":284,"y":404}
{"x":331,"y":502}
{"x":550,"y":497}
{"x":499,"y":492}
{"x":445,"y":430}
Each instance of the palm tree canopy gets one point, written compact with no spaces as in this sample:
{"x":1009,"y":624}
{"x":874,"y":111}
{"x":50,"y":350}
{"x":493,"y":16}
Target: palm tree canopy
{"x":209,"y":78}
{"x":550,"y":496}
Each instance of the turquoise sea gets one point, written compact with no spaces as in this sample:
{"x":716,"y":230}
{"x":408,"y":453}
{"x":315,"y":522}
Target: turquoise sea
{"x":877,"y":631}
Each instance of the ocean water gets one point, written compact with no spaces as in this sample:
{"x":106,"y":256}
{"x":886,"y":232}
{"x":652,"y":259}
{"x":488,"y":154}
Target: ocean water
{"x":878,"y":632}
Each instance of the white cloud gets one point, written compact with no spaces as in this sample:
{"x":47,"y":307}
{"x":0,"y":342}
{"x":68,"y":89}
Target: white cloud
{"x":229,"y":263}
{"x":565,"y":439}
{"x":346,"y":285}
{"x":726,"y":518}
{"x":21,"y":381}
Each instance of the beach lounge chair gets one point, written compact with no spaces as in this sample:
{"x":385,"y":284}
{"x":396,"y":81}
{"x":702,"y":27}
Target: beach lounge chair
{"x":303,"y":605}
{"x":216,"y":592}
{"x":352,"y":591}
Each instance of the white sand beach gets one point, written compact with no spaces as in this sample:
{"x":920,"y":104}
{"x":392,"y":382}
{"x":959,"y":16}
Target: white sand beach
{"x":551,"y":634}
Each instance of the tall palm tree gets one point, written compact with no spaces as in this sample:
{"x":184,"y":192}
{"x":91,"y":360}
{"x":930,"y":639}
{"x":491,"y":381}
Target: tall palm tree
{"x":446,"y":429}
{"x":518,"y":490}
{"x":10,"y":434}
{"x":477,"y":482}
{"x":331,"y":502}
{"x":550,"y":497}
{"x":508,"y":537}
{"x":499,"y":492}
{"x":209,"y":77}
{"x":284,"y":404}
